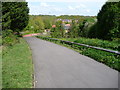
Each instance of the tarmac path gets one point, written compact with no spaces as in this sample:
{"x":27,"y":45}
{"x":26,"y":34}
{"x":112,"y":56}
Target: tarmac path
{"x":56,"y":66}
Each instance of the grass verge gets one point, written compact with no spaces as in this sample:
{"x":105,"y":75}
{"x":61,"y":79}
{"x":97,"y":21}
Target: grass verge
{"x":17,"y":67}
{"x":95,"y":42}
{"x":0,"y":62}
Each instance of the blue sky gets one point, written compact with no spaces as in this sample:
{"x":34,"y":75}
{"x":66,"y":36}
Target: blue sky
{"x":86,"y":8}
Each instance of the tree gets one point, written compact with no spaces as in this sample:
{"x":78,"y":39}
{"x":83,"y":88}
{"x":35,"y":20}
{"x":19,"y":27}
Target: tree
{"x":39,"y":25}
{"x":14,"y":15}
{"x":0,"y":18}
{"x":58,"y":31}
{"x":74,"y":30}
{"x":108,"y":21}
{"x":92,"y":31}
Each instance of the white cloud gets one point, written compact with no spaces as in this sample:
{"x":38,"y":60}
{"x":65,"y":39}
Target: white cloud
{"x":54,"y":8}
{"x":71,"y":8}
{"x":88,"y":10}
{"x":44,"y":8}
{"x":82,"y":5}
{"x":57,"y":9}
{"x":66,"y":0}
{"x":43,"y":4}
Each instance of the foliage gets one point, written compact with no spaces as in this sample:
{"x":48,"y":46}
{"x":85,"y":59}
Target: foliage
{"x":14,"y":15}
{"x":92,"y":33}
{"x":77,"y":17}
{"x":96,"y":42}
{"x":8,"y":38}
{"x":38,"y":23}
{"x":35,"y":24}
{"x":74,"y":30}
{"x":58,"y":31}
{"x":17,"y":68}
{"x":14,"y":20}
{"x":79,"y":25}
{"x":109,"y":21}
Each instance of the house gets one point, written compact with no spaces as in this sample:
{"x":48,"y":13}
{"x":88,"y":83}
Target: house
{"x":64,"y":20}
{"x":67,"y":26}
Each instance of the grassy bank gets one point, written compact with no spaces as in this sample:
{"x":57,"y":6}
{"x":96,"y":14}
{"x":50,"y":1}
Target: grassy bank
{"x":17,"y":67}
{"x":95,"y":42}
{"x":110,"y":59}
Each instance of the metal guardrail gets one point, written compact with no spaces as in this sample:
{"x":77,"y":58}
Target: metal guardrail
{"x":98,"y":48}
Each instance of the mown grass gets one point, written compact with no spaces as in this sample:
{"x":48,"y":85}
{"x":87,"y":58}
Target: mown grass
{"x":17,"y":67}
{"x":110,"y":59}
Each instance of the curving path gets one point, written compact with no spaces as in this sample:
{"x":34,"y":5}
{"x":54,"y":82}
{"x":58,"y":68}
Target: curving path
{"x":56,"y":66}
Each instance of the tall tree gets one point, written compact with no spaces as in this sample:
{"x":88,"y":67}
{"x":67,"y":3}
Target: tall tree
{"x":0,"y":17}
{"x":108,"y":21}
{"x":15,"y":15}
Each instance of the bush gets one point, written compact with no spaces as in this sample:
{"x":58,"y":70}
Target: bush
{"x":8,"y":38}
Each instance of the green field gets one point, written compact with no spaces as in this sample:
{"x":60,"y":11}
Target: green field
{"x":17,"y":67}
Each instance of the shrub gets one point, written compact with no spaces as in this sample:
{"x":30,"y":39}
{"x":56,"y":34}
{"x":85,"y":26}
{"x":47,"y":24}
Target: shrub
{"x":8,"y":38}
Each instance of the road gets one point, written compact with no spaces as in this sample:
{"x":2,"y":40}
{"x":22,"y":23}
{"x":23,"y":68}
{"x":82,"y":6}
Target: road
{"x":56,"y":66}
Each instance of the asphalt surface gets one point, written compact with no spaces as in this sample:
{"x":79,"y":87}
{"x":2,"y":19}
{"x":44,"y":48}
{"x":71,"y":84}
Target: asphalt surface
{"x":56,"y":66}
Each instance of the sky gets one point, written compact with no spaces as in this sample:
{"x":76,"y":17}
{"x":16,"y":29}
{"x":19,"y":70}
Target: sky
{"x":64,"y":7}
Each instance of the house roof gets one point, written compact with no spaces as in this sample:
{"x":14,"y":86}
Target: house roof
{"x":67,"y":24}
{"x":53,"y":26}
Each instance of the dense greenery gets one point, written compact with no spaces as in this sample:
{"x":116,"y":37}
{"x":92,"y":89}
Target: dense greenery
{"x":38,"y":23}
{"x":9,"y":38}
{"x":16,"y":60}
{"x":108,"y":25}
{"x":105,"y":26}
{"x":79,"y":25}
{"x":73,"y":17}
{"x":108,"y":21}
{"x":95,"y":42}
{"x":0,"y":62}
{"x":14,"y":15}
{"x":110,"y":59}
{"x":57,"y":31}
{"x":14,"y":19}
{"x":17,"y":68}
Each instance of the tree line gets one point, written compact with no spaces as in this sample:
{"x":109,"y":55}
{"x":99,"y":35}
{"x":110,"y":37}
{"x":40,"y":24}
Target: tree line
{"x":107,"y":26}
{"x":79,"y":24}
{"x":38,"y":23}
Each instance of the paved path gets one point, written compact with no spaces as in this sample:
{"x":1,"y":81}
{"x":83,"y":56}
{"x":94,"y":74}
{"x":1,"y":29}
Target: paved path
{"x":59,"y":67}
